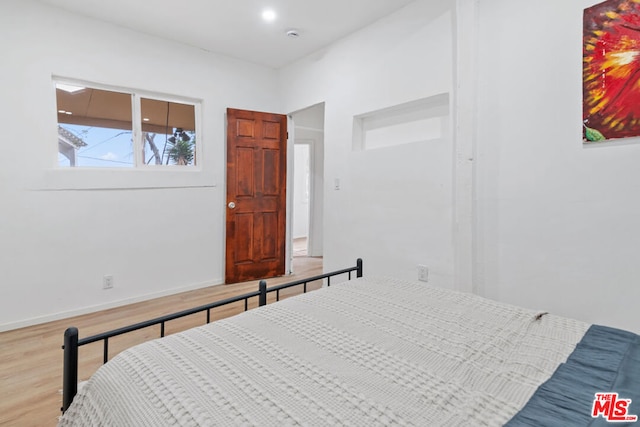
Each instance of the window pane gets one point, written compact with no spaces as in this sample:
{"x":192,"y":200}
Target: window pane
{"x":94,"y":127}
{"x":168,"y":130}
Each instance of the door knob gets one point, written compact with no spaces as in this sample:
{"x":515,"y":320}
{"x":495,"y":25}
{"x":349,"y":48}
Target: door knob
{"x":232,"y":205}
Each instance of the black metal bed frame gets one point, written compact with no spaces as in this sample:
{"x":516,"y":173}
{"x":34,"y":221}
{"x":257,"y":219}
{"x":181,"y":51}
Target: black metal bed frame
{"x":72,"y":342}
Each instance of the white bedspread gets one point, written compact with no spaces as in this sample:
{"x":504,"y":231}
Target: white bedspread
{"x":373,"y":351}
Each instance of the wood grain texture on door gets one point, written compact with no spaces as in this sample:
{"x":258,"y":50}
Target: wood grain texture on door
{"x":256,"y":195}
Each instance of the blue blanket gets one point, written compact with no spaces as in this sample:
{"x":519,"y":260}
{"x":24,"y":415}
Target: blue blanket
{"x":606,"y":360}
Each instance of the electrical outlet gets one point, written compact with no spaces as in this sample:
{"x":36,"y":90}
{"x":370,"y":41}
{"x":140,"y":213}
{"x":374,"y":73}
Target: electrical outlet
{"x":423,"y":273}
{"x":107,"y":282}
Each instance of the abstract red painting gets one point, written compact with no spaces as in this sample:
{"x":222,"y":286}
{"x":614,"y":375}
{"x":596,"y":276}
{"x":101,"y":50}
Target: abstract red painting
{"x":611,"y":70}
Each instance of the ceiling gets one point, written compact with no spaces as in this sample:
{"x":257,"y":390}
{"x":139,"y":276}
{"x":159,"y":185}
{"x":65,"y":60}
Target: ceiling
{"x":236,"y":27}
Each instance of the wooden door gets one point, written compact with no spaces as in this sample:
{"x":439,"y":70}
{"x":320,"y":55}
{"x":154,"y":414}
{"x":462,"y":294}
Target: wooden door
{"x":256,"y":195}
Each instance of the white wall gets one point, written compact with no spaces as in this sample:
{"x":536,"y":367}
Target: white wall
{"x":552,"y":224}
{"x":59,"y":232}
{"x":393,"y":207}
{"x":557,"y":222}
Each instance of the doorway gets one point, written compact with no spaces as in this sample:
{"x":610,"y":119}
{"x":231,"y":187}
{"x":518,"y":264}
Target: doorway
{"x":307,"y":180}
{"x":301,"y":197}
{"x":260,"y":151}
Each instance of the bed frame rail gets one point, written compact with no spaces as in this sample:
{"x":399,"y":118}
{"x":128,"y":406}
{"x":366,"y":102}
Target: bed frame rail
{"x":72,"y":342}
{"x":305,"y":282}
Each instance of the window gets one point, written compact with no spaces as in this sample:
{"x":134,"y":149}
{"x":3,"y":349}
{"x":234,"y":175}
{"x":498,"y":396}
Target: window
{"x":105,"y":128}
{"x":174,"y":126}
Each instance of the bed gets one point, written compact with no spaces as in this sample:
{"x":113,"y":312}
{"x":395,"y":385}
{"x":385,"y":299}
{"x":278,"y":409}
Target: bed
{"x":366,"y":352}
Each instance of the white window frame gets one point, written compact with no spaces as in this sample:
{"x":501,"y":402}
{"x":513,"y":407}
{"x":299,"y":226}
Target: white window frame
{"x":139,"y":175}
{"x":136,"y":96}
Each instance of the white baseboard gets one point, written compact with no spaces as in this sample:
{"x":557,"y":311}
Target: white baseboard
{"x":94,"y":308}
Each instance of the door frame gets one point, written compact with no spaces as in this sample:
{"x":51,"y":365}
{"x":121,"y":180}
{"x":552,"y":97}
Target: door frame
{"x":317,"y":181}
{"x":289,"y":194}
{"x":312,"y":202}
{"x":288,"y":249}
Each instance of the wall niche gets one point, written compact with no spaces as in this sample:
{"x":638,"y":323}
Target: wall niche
{"x":421,"y":120}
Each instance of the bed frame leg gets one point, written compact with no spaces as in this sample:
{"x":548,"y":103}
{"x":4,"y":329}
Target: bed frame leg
{"x":262,"y":298}
{"x":70,"y":373}
{"x":359,"y":265}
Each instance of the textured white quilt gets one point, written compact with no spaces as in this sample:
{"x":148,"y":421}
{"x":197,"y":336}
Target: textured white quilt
{"x":373,"y":351}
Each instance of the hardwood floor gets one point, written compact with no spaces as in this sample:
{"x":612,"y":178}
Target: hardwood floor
{"x":300,"y":247}
{"x":31,"y":358}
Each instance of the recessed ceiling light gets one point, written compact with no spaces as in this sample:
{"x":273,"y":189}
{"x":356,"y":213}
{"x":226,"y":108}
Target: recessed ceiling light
{"x":68,"y":112}
{"x":69,"y":88}
{"x":269,"y":15}
{"x":61,"y":111}
{"x":146,"y":119}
